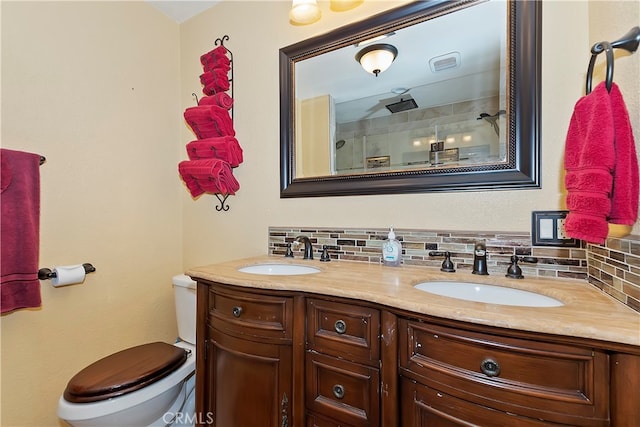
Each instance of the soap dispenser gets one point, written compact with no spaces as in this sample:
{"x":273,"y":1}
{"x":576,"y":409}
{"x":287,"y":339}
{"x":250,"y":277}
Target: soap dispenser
{"x":391,"y":250}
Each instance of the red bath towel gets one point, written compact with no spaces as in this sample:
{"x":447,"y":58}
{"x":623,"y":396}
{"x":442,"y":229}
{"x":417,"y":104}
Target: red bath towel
{"x":626,"y":189}
{"x":208,"y":176}
{"x":589,"y":162}
{"x":601,"y":166}
{"x":221,"y":99}
{"x":208,"y":121}
{"x":224,"y":148}
{"x":216,"y":58}
{"x":214,"y":81}
{"x":20,"y":228}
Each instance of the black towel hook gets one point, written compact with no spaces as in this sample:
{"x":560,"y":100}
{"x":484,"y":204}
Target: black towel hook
{"x":606,"y":47}
{"x":629,"y":42}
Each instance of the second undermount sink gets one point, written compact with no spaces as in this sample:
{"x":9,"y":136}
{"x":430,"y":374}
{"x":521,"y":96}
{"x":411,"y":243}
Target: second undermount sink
{"x":279,"y":269}
{"x":489,"y":294}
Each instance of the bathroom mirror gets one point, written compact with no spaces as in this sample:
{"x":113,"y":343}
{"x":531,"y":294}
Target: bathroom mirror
{"x":458,"y":108}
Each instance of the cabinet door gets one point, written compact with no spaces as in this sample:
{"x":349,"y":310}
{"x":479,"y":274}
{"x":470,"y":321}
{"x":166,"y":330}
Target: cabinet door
{"x":250,"y":382}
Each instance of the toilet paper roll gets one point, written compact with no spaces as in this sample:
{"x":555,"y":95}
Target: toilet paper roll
{"x":68,"y":275}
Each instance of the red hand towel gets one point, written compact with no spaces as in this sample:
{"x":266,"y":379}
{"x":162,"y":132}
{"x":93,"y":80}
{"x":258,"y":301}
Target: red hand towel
{"x":221,"y":99}
{"x":624,"y":201}
{"x":215,"y":64}
{"x":589,"y":162}
{"x":209,"y":121}
{"x":20,"y":228}
{"x":208,"y":176}
{"x":215,"y":81}
{"x":216,"y":58}
{"x":224,"y":148}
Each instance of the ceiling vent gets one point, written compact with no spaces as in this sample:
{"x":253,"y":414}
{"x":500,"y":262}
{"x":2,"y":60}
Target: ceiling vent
{"x":445,"y":62}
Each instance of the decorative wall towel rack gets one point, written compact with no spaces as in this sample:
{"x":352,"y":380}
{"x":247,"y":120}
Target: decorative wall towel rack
{"x":222,"y":198}
{"x":629,"y":42}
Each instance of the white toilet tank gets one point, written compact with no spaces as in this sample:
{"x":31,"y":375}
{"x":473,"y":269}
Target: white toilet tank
{"x":184,"y":289}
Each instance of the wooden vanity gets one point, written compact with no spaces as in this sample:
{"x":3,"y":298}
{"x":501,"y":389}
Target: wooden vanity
{"x":357,"y":345}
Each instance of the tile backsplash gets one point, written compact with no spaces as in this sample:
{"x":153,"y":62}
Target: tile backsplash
{"x":614,"y":268}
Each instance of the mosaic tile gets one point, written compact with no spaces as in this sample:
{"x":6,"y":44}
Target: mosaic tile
{"x":614,"y":267}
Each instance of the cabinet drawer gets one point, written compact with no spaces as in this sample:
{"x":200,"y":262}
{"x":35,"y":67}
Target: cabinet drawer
{"x":315,"y":420}
{"x":424,"y":406}
{"x":344,"y":330}
{"x":250,"y":314}
{"x":559,"y":383}
{"x":344,"y":391}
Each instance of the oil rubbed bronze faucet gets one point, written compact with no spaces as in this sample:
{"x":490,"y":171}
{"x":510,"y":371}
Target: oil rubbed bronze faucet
{"x":308,"y":247}
{"x":480,"y":259}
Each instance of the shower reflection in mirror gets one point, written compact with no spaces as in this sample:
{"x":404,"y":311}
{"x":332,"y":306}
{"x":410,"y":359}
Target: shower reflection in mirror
{"x":470,"y":132}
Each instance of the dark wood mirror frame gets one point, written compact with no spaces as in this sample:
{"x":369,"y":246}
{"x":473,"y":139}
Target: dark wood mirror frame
{"x":522,"y":169}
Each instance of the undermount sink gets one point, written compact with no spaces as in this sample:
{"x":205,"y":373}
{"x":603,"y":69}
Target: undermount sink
{"x":279,"y":269}
{"x":489,"y":294}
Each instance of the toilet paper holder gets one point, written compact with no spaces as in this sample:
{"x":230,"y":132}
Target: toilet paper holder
{"x":47,"y":273}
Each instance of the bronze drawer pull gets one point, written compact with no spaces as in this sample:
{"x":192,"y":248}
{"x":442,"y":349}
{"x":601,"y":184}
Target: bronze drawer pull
{"x":340,"y":326}
{"x":236,"y":311}
{"x":338,"y":391}
{"x":490,"y":368}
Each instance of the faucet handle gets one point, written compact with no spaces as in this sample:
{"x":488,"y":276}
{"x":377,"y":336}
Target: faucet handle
{"x":447,"y":264}
{"x":514,"y":271}
{"x":289,"y":253}
{"x":325,"y":254}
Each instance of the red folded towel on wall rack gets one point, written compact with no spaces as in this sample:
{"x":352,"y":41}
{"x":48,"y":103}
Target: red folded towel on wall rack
{"x":601,"y":167}
{"x":208,"y":121}
{"x":221,"y":99}
{"x":214,"y":81}
{"x":208,"y":176}
{"x":224,"y":148}
{"x":216,"y":58}
{"x":20,"y":230}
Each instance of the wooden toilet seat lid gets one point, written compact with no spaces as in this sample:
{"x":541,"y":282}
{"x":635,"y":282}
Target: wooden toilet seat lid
{"x":125,"y":371}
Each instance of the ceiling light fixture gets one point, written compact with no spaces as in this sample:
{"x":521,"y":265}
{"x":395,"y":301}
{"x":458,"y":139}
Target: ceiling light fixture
{"x":342,"y":5}
{"x":304,"y":12}
{"x":377,"y":58}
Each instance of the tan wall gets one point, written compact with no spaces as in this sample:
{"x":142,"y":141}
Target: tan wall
{"x":94,"y":88}
{"x":211,"y":236}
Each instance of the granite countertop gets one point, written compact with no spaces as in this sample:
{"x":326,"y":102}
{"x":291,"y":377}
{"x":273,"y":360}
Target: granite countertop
{"x":587,"y":312}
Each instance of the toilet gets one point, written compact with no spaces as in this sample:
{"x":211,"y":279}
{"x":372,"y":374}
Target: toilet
{"x":147,"y":385}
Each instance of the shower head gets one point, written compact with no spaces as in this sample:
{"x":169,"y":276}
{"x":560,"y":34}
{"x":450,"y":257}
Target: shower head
{"x":340,"y":144}
{"x":493,"y":120}
{"x":402,"y":105}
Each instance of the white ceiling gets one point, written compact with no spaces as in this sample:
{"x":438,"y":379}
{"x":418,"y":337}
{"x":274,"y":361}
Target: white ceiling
{"x":181,"y":10}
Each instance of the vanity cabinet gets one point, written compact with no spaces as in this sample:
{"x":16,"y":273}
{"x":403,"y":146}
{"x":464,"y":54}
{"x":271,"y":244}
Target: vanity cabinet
{"x":462,"y":376}
{"x":293,"y":359}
